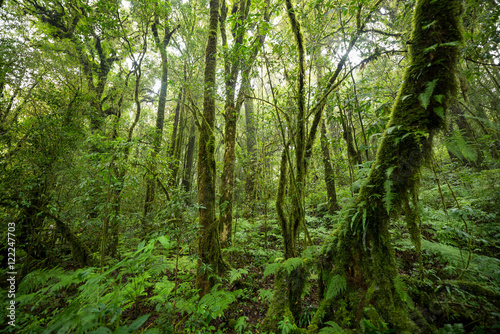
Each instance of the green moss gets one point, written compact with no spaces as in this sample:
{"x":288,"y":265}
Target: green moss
{"x":361,"y":248}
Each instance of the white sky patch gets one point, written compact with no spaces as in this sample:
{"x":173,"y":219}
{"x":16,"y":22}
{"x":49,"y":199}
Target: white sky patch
{"x":126,"y":4}
{"x":157,"y":86}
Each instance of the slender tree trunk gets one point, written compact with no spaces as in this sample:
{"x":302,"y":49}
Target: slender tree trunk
{"x":231,"y":111}
{"x":251,"y":132}
{"x":160,"y":114}
{"x":353,"y":154}
{"x":360,"y":253}
{"x":288,"y":303}
{"x":209,"y":252}
{"x":188,"y":164}
{"x":329,"y":172}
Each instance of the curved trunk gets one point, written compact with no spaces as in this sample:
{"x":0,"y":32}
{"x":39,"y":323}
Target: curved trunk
{"x":360,"y":251}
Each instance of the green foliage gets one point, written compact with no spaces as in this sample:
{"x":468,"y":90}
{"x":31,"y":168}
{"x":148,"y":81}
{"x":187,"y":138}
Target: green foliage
{"x":237,"y":274}
{"x":425,"y":97}
{"x":331,"y":328}
{"x":379,"y":327}
{"x":335,"y":285}
{"x":293,"y":264}
{"x":452,"y":329}
{"x":271,"y":268}
{"x":286,"y":325}
{"x":94,"y":299}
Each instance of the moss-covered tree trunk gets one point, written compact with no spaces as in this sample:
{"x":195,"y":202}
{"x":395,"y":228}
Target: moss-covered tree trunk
{"x":359,"y":256}
{"x":234,"y":101}
{"x":251,"y":142}
{"x":209,"y":252}
{"x":188,"y":161}
{"x":329,"y":172}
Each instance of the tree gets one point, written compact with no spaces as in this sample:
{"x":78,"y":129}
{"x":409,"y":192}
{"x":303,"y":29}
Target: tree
{"x":359,"y":251}
{"x":161,"y":44}
{"x":235,"y":63}
{"x":289,"y":285}
{"x":210,"y":258}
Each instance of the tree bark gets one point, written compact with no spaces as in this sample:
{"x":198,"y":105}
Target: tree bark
{"x":251,"y":132}
{"x":160,"y":114}
{"x":231,"y":111}
{"x":188,"y":162}
{"x":210,"y":258}
{"x":329,"y":172}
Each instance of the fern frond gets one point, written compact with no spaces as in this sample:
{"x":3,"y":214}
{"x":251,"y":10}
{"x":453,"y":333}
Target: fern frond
{"x":271,"y":269}
{"x":336,"y":285}
{"x":293,"y":263}
{"x":236,"y":274}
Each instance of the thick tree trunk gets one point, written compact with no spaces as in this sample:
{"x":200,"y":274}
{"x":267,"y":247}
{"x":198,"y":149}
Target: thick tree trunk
{"x":360,"y":251}
{"x":210,"y":258}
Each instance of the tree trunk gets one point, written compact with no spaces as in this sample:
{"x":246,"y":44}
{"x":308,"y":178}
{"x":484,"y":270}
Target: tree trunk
{"x":232,"y":109}
{"x":210,"y":258}
{"x":160,"y":114}
{"x":329,"y":173}
{"x":251,"y":132}
{"x":188,"y":162}
{"x":359,"y":256}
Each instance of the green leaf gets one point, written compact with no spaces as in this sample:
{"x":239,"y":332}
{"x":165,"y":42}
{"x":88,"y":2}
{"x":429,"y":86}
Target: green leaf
{"x":439,"y":111}
{"x":425,"y":97}
{"x":292,"y":264}
{"x":271,"y":269}
{"x":333,"y":328}
{"x":439,"y":98}
{"x":236,"y":274}
{"x":138,"y":323}
{"x":164,"y":241}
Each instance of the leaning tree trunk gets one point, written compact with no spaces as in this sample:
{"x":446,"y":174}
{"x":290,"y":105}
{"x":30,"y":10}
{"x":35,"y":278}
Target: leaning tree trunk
{"x":358,"y":262}
{"x":209,"y":252}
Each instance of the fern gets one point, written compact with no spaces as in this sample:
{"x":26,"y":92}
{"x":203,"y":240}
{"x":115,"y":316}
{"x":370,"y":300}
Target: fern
{"x":336,"y":285}
{"x":162,"y":291}
{"x":400,"y":290}
{"x":293,"y":263}
{"x":213,"y":304}
{"x":333,"y":328}
{"x":236,"y":274}
{"x":271,"y":269}
{"x":389,"y":195}
{"x":425,"y":97}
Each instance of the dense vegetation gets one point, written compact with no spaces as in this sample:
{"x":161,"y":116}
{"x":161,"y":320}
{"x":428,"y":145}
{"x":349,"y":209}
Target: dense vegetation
{"x":328,"y":166}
